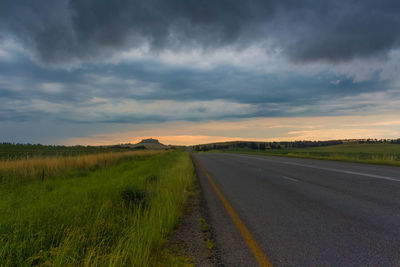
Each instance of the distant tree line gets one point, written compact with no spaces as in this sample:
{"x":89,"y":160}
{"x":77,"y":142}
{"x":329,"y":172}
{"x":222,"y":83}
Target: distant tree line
{"x":379,"y":141}
{"x":264,"y":145}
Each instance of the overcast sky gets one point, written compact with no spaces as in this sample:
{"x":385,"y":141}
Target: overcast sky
{"x":187,"y":72}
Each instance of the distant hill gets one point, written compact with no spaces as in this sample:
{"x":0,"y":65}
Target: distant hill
{"x":149,"y":144}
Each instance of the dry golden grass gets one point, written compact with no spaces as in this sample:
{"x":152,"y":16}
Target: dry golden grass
{"x":39,"y":168}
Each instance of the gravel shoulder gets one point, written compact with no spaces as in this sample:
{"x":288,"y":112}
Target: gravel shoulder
{"x":190,"y":242}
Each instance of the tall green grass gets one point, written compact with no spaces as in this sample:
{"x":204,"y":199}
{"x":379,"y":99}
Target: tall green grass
{"x":119,"y":215}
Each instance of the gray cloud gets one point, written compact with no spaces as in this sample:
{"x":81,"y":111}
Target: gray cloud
{"x":334,"y":31}
{"x":140,"y":92}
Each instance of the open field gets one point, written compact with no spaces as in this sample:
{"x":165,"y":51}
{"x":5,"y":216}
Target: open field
{"x":24,"y":151}
{"x":378,"y":153}
{"x":118,"y":213}
{"x":41,"y":168}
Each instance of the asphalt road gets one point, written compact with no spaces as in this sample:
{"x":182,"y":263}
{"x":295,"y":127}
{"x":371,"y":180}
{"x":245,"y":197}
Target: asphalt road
{"x":303,"y":212}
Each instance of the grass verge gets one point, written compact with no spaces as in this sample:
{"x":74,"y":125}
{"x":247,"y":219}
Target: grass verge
{"x":118,"y":215}
{"x":384,"y":154}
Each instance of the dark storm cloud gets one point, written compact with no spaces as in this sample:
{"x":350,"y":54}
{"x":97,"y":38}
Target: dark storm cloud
{"x":336,"y":30}
{"x":30,"y":92}
{"x":146,"y":81}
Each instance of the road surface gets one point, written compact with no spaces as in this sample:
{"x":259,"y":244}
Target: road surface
{"x":301,"y":212}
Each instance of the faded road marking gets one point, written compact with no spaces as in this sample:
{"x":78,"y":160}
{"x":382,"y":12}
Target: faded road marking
{"x":290,"y":178}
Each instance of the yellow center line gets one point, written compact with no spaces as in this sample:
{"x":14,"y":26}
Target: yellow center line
{"x":251,"y":243}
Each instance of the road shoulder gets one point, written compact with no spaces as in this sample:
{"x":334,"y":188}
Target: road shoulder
{"x":191,"y":244}
{"x":230,"y":248}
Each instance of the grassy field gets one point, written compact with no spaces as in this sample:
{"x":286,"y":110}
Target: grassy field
{"x":41,"y":168}
{"x":116,"y":214}
{"x":386,"y":154}
{"x":23,"y":151}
